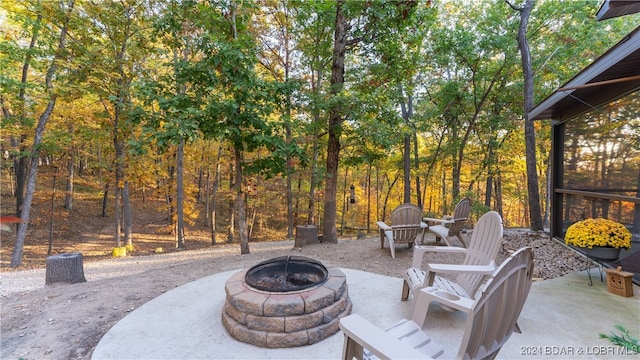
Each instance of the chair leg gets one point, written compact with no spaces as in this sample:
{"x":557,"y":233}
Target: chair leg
{"x":405,"y":291}
{"x":419,"y":308}
{"x":446,"y":240}
{"x":461,"y":241}
{"x":351,"y":349}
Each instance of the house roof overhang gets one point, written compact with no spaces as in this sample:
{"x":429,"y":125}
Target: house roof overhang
{"x":615,"y":8}
{"x":614,"y":74}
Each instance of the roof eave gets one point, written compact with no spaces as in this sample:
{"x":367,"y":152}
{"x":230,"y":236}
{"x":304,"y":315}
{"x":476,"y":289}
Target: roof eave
{"x":623,"y":49}
{"x":614,"y":8}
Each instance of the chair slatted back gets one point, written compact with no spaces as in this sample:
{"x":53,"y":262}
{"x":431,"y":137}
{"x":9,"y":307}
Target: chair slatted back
{"x":460,"y":216}
{"x":498,"y":305}
{"x":483,"y":249}
{"x":405,"y":221}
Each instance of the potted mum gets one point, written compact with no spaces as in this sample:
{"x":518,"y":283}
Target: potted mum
{"x":599,"y":238}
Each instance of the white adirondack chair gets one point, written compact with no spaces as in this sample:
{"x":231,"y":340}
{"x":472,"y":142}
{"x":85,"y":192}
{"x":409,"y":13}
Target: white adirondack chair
{"x":479,"y":262}
{"x":450,"y":226}
{"x":406,"y":226}
{"x":491,"y":319}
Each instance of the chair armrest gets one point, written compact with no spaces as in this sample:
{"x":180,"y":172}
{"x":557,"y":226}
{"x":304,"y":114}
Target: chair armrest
{"x":442,"y":221}
{"x":456,"y":269}
{"x":376,"y":340}
{"x":433,"y":269}
{"x":424,"y":225}
{"x":383,"y":226}
{"x":461,"y":303}
{"x":420,"y":250}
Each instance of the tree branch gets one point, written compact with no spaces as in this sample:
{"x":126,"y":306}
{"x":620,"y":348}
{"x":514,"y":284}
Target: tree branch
{"x":517,"y":8}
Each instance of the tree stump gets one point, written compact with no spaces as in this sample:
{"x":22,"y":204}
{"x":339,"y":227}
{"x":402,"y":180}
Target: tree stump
{"x":67,"y":268}
{"x":306,"y":234}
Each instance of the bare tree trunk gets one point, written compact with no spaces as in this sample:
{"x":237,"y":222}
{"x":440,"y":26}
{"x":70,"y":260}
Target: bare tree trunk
{"x":127,"y":215}
{"x":488,"y":196}
{"x":535,"y":212}
{"x":387,"y":194}
{"x":289,"y":171}
{"x":416,"y":166}
{"x":335,"y":127}
{"x":289,"y":140}
{"x":18,"y":250}
{"x":180,"y":196}
{"x":311,"y":213}
{"x":207,"y":197}
{"x":489,"y":183}
{"x":232,"y":212}
{"x":105,"y":198}
{"x":378,"y":215}
{"x":407,"y":113}
{"x":20,"y":164}
{"x":369,"y":199}
{"x":118,"y":214}
{"x":443,"y":205}
{"x":119,"y":152}
{"x":296,"y":205}
{"x":201,"y":186}
{"x":455,"y":176}
{"x":253,"y":221}
{"x":314,"y":163}
{"x":169,"y":196}
{"x":345,"y":201}
{"x":498,"y":186}
{"x":82,"y":163}
{"x":214,"y":194}
{"x":240,"y":205}
{"x":68,"y":197}
{"x":11,"y":181}
{"x":53,"y":208}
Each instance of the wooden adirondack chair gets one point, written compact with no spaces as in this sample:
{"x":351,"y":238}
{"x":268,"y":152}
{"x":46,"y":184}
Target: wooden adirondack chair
{"x":479,"y":262}
{"x":406,"y":226}
{"x":450,"y":226}
{"x":490,"y":321}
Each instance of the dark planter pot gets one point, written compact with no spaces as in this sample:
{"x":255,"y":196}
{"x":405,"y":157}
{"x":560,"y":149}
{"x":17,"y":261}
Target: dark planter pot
{"x":602,"y":253}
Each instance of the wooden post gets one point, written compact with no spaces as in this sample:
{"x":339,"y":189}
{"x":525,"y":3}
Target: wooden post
{"x":66,"y":268}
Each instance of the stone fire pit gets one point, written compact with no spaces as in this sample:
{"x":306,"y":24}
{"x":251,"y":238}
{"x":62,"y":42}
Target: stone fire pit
{"x":305,"y":311}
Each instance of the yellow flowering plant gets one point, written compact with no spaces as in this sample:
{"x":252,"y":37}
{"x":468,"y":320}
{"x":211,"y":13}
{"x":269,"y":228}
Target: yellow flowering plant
{"x":598,"y":232}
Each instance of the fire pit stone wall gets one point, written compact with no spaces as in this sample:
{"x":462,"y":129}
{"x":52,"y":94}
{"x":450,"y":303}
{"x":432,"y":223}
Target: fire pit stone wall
{"x":285,"y":319}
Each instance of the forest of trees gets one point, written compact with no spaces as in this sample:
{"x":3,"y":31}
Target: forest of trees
{"x":283,"y":112}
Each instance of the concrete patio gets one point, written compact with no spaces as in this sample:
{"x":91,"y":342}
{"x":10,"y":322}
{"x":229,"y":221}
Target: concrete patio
{"x":562,"y":318}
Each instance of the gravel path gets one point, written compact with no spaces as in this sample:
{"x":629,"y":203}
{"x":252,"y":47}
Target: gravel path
{"x":29,"y":280}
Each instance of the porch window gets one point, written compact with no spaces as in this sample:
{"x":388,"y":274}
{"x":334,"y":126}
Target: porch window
{"x":597,"y":166}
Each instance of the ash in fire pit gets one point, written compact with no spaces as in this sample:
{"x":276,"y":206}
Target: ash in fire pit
{"x":286,"y":273}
